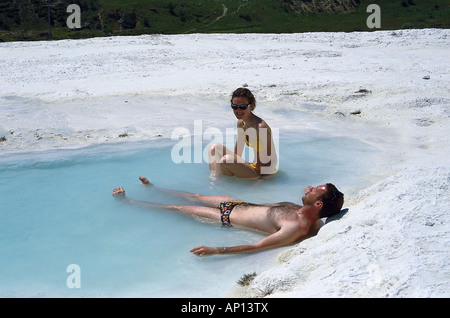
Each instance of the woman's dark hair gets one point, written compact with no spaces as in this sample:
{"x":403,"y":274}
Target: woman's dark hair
{"x":244,"y":92}
{"x":333,"y":200}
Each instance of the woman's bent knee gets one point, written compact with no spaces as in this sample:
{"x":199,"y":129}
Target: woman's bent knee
{"x":215,"y":148}
{"x":227,"y":159}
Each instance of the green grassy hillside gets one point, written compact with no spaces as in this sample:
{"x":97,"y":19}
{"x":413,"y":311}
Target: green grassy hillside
{"x":28,"y":19}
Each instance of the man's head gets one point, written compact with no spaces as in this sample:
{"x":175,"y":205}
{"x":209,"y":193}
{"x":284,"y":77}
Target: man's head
{"x":326,"y":197}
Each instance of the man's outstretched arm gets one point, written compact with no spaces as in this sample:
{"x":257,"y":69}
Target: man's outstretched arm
{"x":283,"y":237}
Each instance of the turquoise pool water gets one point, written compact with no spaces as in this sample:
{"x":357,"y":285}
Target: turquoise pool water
{"x":56,"y":209}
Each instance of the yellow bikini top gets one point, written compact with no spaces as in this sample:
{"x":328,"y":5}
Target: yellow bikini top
{"x":255,"y":144}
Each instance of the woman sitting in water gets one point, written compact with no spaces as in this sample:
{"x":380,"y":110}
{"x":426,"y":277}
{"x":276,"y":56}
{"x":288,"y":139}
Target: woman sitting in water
{"x":254,"y":132}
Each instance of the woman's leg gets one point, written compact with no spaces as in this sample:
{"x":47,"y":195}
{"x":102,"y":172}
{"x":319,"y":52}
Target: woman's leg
{"x":223,"y":161}
{"x":238,"y":168}
{"x":216,"y":154}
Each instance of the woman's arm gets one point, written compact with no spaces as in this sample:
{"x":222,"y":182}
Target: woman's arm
{"x":264,"y":156}
{"x":240,"y":139}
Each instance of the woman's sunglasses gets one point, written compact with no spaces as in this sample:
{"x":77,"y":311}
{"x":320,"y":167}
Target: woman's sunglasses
{"x":241,"y":107}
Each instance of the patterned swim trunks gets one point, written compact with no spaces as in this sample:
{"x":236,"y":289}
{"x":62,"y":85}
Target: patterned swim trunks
{"x":225,"y":210}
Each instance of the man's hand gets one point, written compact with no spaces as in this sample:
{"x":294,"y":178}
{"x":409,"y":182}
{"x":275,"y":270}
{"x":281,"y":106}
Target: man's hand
{"x":204,"y":250}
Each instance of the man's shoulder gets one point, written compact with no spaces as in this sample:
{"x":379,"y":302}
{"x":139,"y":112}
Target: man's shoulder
{"x":288,"y":204}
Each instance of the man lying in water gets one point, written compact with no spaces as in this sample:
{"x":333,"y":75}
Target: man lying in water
{"x":285,"y":222}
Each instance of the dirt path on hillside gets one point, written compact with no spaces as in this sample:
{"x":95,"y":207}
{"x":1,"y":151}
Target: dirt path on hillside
{"x":224,"y":13}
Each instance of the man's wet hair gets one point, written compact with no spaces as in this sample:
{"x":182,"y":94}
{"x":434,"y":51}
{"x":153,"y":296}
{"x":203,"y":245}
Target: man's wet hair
{"x":333,"y":200}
